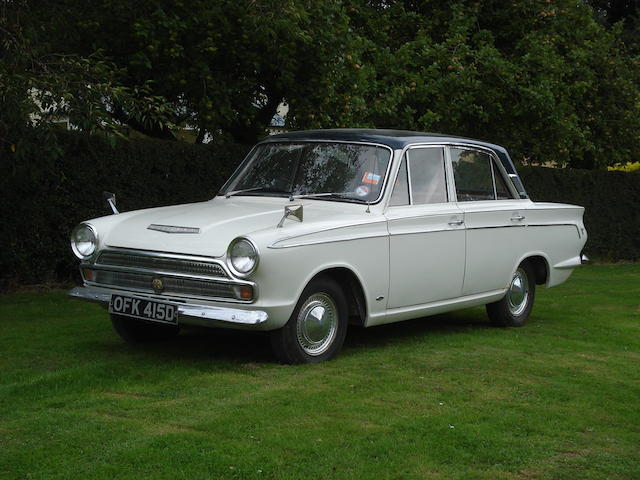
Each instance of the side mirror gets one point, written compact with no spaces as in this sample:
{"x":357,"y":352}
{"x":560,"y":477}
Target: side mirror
{"x":111,"y":200}
{"x":294,"y":211}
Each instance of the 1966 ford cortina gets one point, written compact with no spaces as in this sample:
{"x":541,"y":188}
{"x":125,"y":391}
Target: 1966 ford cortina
{"x":321,"y":229}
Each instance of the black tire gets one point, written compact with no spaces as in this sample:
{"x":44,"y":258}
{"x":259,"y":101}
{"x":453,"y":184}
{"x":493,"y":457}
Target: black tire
{"x":514,"y":308}
{"x":135,"y":331}
{"x":305,"y":338}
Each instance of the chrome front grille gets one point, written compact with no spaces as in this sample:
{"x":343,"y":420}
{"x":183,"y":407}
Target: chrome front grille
{"x":180,"y":276}
{"x":172,"y":285}
{"x":165,"y":264}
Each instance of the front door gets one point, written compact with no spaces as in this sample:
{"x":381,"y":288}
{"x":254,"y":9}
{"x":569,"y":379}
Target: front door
{"x":427,"y":235}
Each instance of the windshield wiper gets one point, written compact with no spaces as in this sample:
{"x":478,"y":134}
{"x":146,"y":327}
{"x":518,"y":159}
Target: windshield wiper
{"x":254,"y":189}
{"x":341,"y":195}
{"x":335,"y":195}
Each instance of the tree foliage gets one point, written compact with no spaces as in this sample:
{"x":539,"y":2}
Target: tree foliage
{"x":542,"y":77}
{"x":225,"y":66}
{"x":39,"y":85}
{"x":556,"y":81}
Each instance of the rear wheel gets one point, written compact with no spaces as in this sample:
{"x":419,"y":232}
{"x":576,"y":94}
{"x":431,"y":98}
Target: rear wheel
{"x":317,"y":327}
{"x":132,"y":330}
{"x":514,"y":308}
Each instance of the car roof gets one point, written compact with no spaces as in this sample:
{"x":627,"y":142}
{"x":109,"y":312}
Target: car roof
{"x":398,"y":139}
{"x":395,"y":139}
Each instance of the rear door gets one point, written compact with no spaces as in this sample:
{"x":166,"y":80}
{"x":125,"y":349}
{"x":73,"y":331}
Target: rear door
{"x":495,"y":219}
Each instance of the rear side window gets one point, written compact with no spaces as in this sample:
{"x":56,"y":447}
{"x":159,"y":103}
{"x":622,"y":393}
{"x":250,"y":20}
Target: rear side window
{"x":477,"y":177}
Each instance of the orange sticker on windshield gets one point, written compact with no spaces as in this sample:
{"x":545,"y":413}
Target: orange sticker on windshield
{"x":371,"y":178}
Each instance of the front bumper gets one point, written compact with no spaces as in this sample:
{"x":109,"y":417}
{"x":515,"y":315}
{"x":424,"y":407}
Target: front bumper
{"x":188,"y":313}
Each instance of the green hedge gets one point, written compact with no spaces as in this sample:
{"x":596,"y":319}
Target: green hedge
{"x":44,"y":193}
{"x":611,"y":201}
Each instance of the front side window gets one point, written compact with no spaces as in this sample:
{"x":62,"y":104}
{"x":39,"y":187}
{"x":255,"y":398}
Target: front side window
{"x":331,"y":171}
{"x":423,"y":171}
{"x":427,"y":171}
{"x":477,"y":177}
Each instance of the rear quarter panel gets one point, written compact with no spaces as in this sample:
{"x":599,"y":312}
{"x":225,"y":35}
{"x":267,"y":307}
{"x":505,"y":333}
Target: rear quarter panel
{"x":556,"y":232}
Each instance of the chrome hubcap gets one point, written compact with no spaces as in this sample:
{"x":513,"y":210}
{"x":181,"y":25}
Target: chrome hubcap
{"x":317,"y":324}
{"x":518,"y":294}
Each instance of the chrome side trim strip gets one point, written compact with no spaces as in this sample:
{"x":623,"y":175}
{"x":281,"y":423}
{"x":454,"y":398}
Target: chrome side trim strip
{"x":355,"y":237}
{"x":563,"y":224}
{"x":320,"y":242}
{"x":275,"y":245}
{"x":208,"y":312}
{"x":490,"y":227}
{"x":487,"y":227}
{"x":520,"y":225}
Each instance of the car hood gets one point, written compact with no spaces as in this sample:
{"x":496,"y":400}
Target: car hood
{"x":218,"y":222}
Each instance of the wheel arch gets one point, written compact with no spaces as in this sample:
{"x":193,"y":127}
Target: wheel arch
{"x":352,"y":288}
{"x":540,"y":265}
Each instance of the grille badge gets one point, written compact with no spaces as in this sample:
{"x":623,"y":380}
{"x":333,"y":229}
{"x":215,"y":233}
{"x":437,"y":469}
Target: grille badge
{"x":157,"y":285}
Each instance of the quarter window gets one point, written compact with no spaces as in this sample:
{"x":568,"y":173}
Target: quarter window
{"x":477,"y":177}
{"x":502,"y":191}
{"x":400,"y":195}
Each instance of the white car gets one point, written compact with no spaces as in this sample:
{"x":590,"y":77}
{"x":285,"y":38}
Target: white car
{"x":317,"y":230}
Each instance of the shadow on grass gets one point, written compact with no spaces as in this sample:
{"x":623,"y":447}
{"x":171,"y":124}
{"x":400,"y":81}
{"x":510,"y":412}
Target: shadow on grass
{"x":447,"y":323}
{"x":238,"y":347}
{"x":196,"y":346}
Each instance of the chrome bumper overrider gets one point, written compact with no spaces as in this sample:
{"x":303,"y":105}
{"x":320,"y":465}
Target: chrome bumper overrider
{"x":202,"y":312}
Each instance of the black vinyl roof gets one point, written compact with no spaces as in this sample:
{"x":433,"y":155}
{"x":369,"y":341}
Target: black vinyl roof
{"x":395,"y":139}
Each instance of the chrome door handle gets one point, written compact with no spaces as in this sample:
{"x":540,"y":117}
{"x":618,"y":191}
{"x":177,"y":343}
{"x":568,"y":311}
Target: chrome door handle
{"x":517,"y":218}
{"x":455,"y":223}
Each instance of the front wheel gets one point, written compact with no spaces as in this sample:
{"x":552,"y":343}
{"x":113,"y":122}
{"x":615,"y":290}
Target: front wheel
{"x":317,"y":327}
{"x":139,"y":331}
{"x":514,"y":308}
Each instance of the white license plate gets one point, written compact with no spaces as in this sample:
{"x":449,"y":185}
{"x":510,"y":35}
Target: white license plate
{"x":144,"y":309}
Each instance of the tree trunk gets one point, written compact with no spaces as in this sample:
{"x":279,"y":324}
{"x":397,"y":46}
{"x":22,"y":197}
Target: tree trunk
{"x":250,"y":134}
{"x":155,"y":131}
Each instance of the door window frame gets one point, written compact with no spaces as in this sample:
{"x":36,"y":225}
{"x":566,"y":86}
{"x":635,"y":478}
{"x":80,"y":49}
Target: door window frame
{"x":449,"y":175}
{"x":495,"y":163}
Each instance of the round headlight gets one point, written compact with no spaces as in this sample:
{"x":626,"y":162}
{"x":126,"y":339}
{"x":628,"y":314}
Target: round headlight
{"x":243,"y":256}
{"x":84,"y":240}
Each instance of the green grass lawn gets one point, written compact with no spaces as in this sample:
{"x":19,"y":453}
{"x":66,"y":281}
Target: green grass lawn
{"x":445,"y":397}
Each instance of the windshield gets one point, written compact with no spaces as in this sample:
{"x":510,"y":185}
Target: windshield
{"x":325,"y":171}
